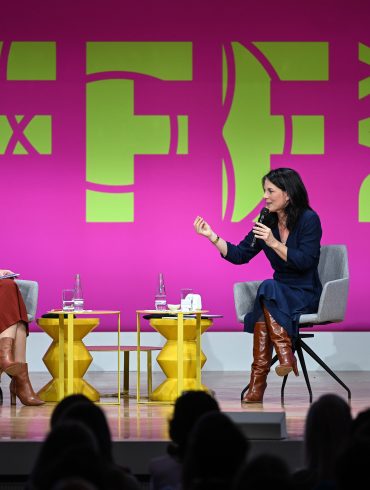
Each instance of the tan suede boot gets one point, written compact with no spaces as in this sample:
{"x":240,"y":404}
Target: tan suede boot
{"x":7,"y":362}
{"x":20,"y":386}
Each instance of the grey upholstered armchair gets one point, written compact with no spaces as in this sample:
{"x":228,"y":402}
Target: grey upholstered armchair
{"x":334,"y":276}
{"x":30,"y":293}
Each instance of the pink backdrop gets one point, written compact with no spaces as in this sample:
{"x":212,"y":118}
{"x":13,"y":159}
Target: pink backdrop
{"x":45,"y":234}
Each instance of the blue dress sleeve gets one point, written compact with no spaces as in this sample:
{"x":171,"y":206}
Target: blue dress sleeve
{"x":242,"y":253}
{"x":307,"y":251}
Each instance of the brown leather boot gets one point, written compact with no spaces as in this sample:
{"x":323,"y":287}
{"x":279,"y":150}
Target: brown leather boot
{"x":262,"y":353}
{"x":20,"y":386}
{"x":282,"y":344}
{"x":7,"y":363}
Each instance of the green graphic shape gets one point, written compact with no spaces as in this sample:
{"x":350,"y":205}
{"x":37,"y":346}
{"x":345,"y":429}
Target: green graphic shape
{"x":297,"y":60}
{"x":364,"y":195}
{"x":20,"y":149}
{"x":308,"y":135}
{"x":183,"y":131}
{"x":225,"y":76}
{"x":252,"y":134}
{"x":364,"y":88}
{"x":32,"y":61}
{"x":38,"y":133}
{"x":5,"y":133}
{"x":1,"y":46}
{"x":364,"y":53}
{"x":115,"y":134}
{"x":364,"y":56}
{"x":364,"y":201}
{"x":225,"y":189}
{"x":167,"y":61}
{"x":109,"y":207}
{"x":364,"y":132}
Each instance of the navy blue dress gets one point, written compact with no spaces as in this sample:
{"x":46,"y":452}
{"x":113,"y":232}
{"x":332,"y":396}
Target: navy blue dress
{"x":295,"y":288}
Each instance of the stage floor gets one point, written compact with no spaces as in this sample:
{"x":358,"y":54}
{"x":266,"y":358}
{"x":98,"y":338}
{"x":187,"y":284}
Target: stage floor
{"x":23,"y":428}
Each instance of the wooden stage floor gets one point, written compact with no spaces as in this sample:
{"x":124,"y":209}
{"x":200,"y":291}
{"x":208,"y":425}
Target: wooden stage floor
{"x":145,"y":425}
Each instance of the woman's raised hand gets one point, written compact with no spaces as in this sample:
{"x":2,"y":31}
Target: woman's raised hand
{"x":202,"y":227}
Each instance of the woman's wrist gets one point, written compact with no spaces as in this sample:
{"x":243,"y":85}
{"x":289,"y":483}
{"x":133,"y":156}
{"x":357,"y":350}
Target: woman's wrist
{"x":275,"y":244}
{"x":214,"y":238}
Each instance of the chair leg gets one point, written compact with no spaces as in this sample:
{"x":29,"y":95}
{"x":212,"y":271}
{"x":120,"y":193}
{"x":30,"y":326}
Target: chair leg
{"x":319,"y":361}
{"x":149,"y":373}
{"x":126,"y":371}
{"x":285,"y":379}
{"x":297,"y":348}
{"x":304,"y":367}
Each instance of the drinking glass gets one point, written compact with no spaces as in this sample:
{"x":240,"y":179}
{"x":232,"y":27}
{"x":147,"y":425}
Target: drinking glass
{"x":186,"y":300}
{"x":68,"y":303}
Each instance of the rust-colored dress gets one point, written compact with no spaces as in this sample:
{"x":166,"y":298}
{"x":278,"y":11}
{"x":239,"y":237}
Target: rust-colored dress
{"x":12,"y":307}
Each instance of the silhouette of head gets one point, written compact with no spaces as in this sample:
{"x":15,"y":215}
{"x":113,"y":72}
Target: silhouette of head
{"x":216,"y":450}
{"x":93,"y":417}
{"x":361,"y":424}
{"x":64,"y":404}
{"x":189,"y":407}
{"x":70,"y":450}
{"x":327,"y":430}
{"x":264,"y":471}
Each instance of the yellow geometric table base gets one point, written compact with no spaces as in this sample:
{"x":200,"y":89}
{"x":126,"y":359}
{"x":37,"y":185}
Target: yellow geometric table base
{"x":167,"y":358}
{"x":81,"y":358}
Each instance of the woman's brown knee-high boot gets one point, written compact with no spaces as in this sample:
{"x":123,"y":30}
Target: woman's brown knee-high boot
{"x":20,"y":386}
{"x":262,"y":353}
{"x":282,"y":344}
{"x":7,"y":362}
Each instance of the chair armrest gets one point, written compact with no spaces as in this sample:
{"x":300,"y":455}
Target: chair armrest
{"x":244,"y":297}
{"x":333,"y":301}
{"x":29,"y":291}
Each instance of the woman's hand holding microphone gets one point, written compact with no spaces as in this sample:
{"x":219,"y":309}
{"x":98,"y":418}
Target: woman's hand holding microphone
{"x":264,"y":233}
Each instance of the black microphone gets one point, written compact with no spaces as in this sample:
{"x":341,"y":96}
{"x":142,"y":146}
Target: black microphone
{"x":261,"y":219}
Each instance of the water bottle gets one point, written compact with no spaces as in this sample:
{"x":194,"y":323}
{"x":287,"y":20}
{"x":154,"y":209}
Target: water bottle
{"x":160,"y":297}
{"x":78,"y":298}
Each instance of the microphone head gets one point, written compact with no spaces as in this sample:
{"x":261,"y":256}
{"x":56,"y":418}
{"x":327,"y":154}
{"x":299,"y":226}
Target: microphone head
{"x":263,"y":214}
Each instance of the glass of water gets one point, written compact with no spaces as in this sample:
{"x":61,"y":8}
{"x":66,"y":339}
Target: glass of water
{"x":68,"y":303}
{"x":186,"y":299}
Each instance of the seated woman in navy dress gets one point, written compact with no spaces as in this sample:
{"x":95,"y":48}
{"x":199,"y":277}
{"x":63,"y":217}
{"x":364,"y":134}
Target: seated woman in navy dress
{"x":290,"y":239}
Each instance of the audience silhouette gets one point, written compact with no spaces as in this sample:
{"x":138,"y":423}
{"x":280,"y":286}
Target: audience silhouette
{"x":215,"y":452}
{"x":70,"y":450}
{"x":327,"y":431}
{"x":166,"y":471}
{"x":64,"y":404}
{"x":264,"y":471}
{"x":207,"y":451}
{"x":77,"y":452}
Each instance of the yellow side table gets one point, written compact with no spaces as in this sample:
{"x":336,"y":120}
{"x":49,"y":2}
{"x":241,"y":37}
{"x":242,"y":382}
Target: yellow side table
{"x":181,"y":358}
{"x":81,"y":358}
{"x":167,"y":358}
{"x":66,"y":350}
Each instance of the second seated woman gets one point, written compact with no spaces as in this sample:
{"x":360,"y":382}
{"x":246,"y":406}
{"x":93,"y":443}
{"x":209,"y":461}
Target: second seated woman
{"x":13,"y":336}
